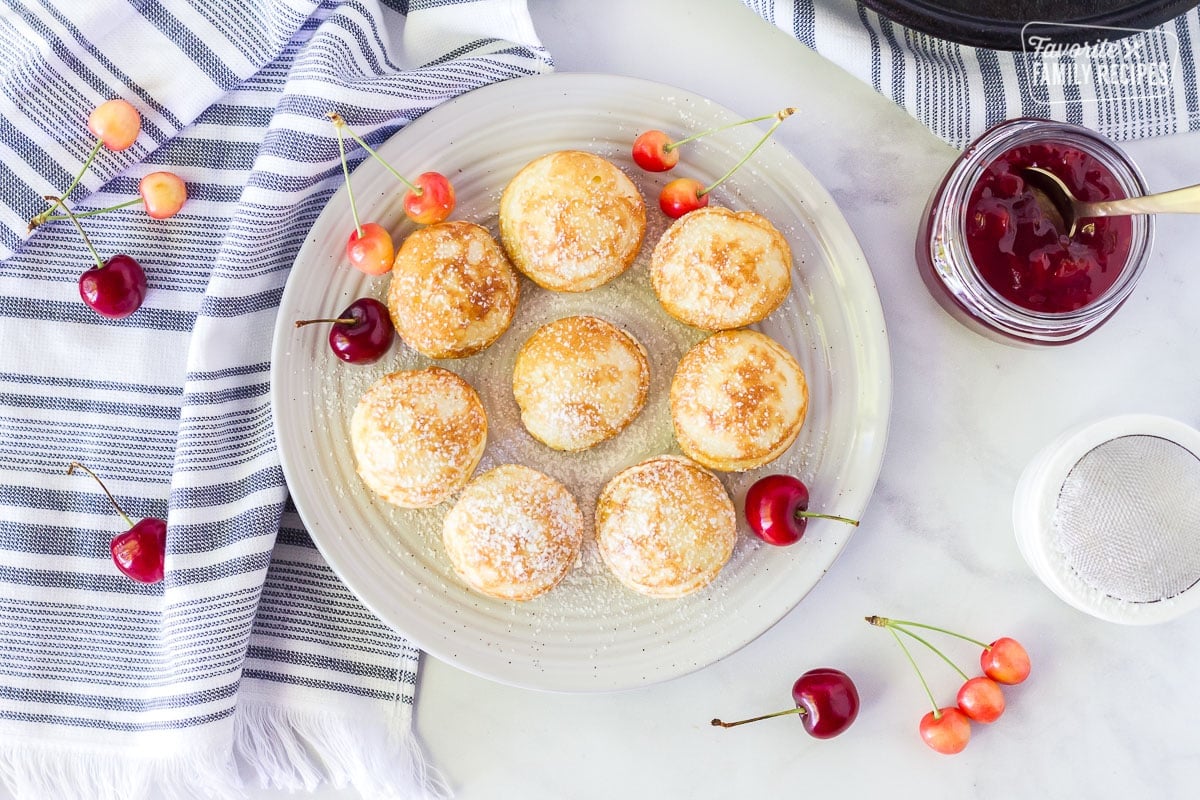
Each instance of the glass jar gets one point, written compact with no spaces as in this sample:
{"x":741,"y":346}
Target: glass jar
{"x":955,"y":279}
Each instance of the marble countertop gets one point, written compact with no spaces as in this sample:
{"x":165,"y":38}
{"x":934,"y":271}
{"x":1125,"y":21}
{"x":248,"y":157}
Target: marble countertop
{"x":1108,"y":711}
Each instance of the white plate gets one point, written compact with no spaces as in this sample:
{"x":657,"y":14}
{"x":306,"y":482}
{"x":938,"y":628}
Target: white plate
{"x":589,"y":633}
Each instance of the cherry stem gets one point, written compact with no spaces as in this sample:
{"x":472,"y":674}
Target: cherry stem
{"x":884,"y":622}
{"x":936,"y":713}
{"x":814,"y":515}
{"x":779,"y":116}
{"x":340,"y":124}
{"x":797,"y":710}
{"x":59,"y":201}
{"x":669,"y":146}
{"x":300,"y":323}
{"x":944,"y":657}
{"x":46,"y":216}
{"x":76,"y":465}
{"x":87,"y":163}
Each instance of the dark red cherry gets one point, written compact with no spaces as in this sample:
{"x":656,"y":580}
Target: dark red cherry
{"x":139,"y":552}
{"x":116,"y":289}
{"x":361,"y":334}
{"x":829,"y":699}
{"x":826,"y":700}
{"x":777,"y":509}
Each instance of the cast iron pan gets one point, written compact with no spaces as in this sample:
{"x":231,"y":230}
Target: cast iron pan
{"x":998,"y":24}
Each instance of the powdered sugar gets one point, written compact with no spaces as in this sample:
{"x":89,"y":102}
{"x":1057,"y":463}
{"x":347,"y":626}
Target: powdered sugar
{"x":629,"y":303}
{"x":580,"y":381}
{"x":513,"y":533}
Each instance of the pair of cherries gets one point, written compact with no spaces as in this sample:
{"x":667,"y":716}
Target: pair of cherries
{"x":654,"y":151}
{"x":430,"y":199}
{"x":117,"y":287}
{"x":363,"y":332}
{"x":826,"y":700}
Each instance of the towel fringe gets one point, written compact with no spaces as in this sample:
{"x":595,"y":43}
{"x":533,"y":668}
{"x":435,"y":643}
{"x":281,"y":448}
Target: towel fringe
{"x":55,"y":772}
{"x":300,"y":749}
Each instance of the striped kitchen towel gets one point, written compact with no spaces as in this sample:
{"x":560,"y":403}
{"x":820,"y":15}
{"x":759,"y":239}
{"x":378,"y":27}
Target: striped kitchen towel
{"x":1130,"y":88}
{"x":250,"y":646}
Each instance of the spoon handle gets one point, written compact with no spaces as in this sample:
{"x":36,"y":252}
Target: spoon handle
{"x":1176,"y":201}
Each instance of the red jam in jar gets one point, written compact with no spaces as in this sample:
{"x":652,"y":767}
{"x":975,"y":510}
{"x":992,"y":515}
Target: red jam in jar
{"x":997,"y":263}
{"x":1018,"y":248}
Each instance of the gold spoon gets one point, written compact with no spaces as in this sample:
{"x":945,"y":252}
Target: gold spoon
{"x":1057,"y":201}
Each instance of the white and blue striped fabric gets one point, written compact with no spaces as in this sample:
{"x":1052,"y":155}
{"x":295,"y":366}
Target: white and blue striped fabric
{"x":1145,"y":85}
{"x":250,"y":646}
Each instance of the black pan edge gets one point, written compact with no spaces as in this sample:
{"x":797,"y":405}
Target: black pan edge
{"x":994,"y":32}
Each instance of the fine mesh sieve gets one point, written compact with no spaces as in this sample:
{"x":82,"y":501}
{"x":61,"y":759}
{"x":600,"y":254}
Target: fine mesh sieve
{"x":1109,"y":517}
{"x":1128,"y":519}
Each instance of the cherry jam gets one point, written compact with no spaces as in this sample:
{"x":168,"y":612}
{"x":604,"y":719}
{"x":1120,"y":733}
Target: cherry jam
{"x":1018,"y":248}
{"x":997,"y":263}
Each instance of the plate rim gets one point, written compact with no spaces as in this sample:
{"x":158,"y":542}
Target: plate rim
{"x":834,"y":236}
